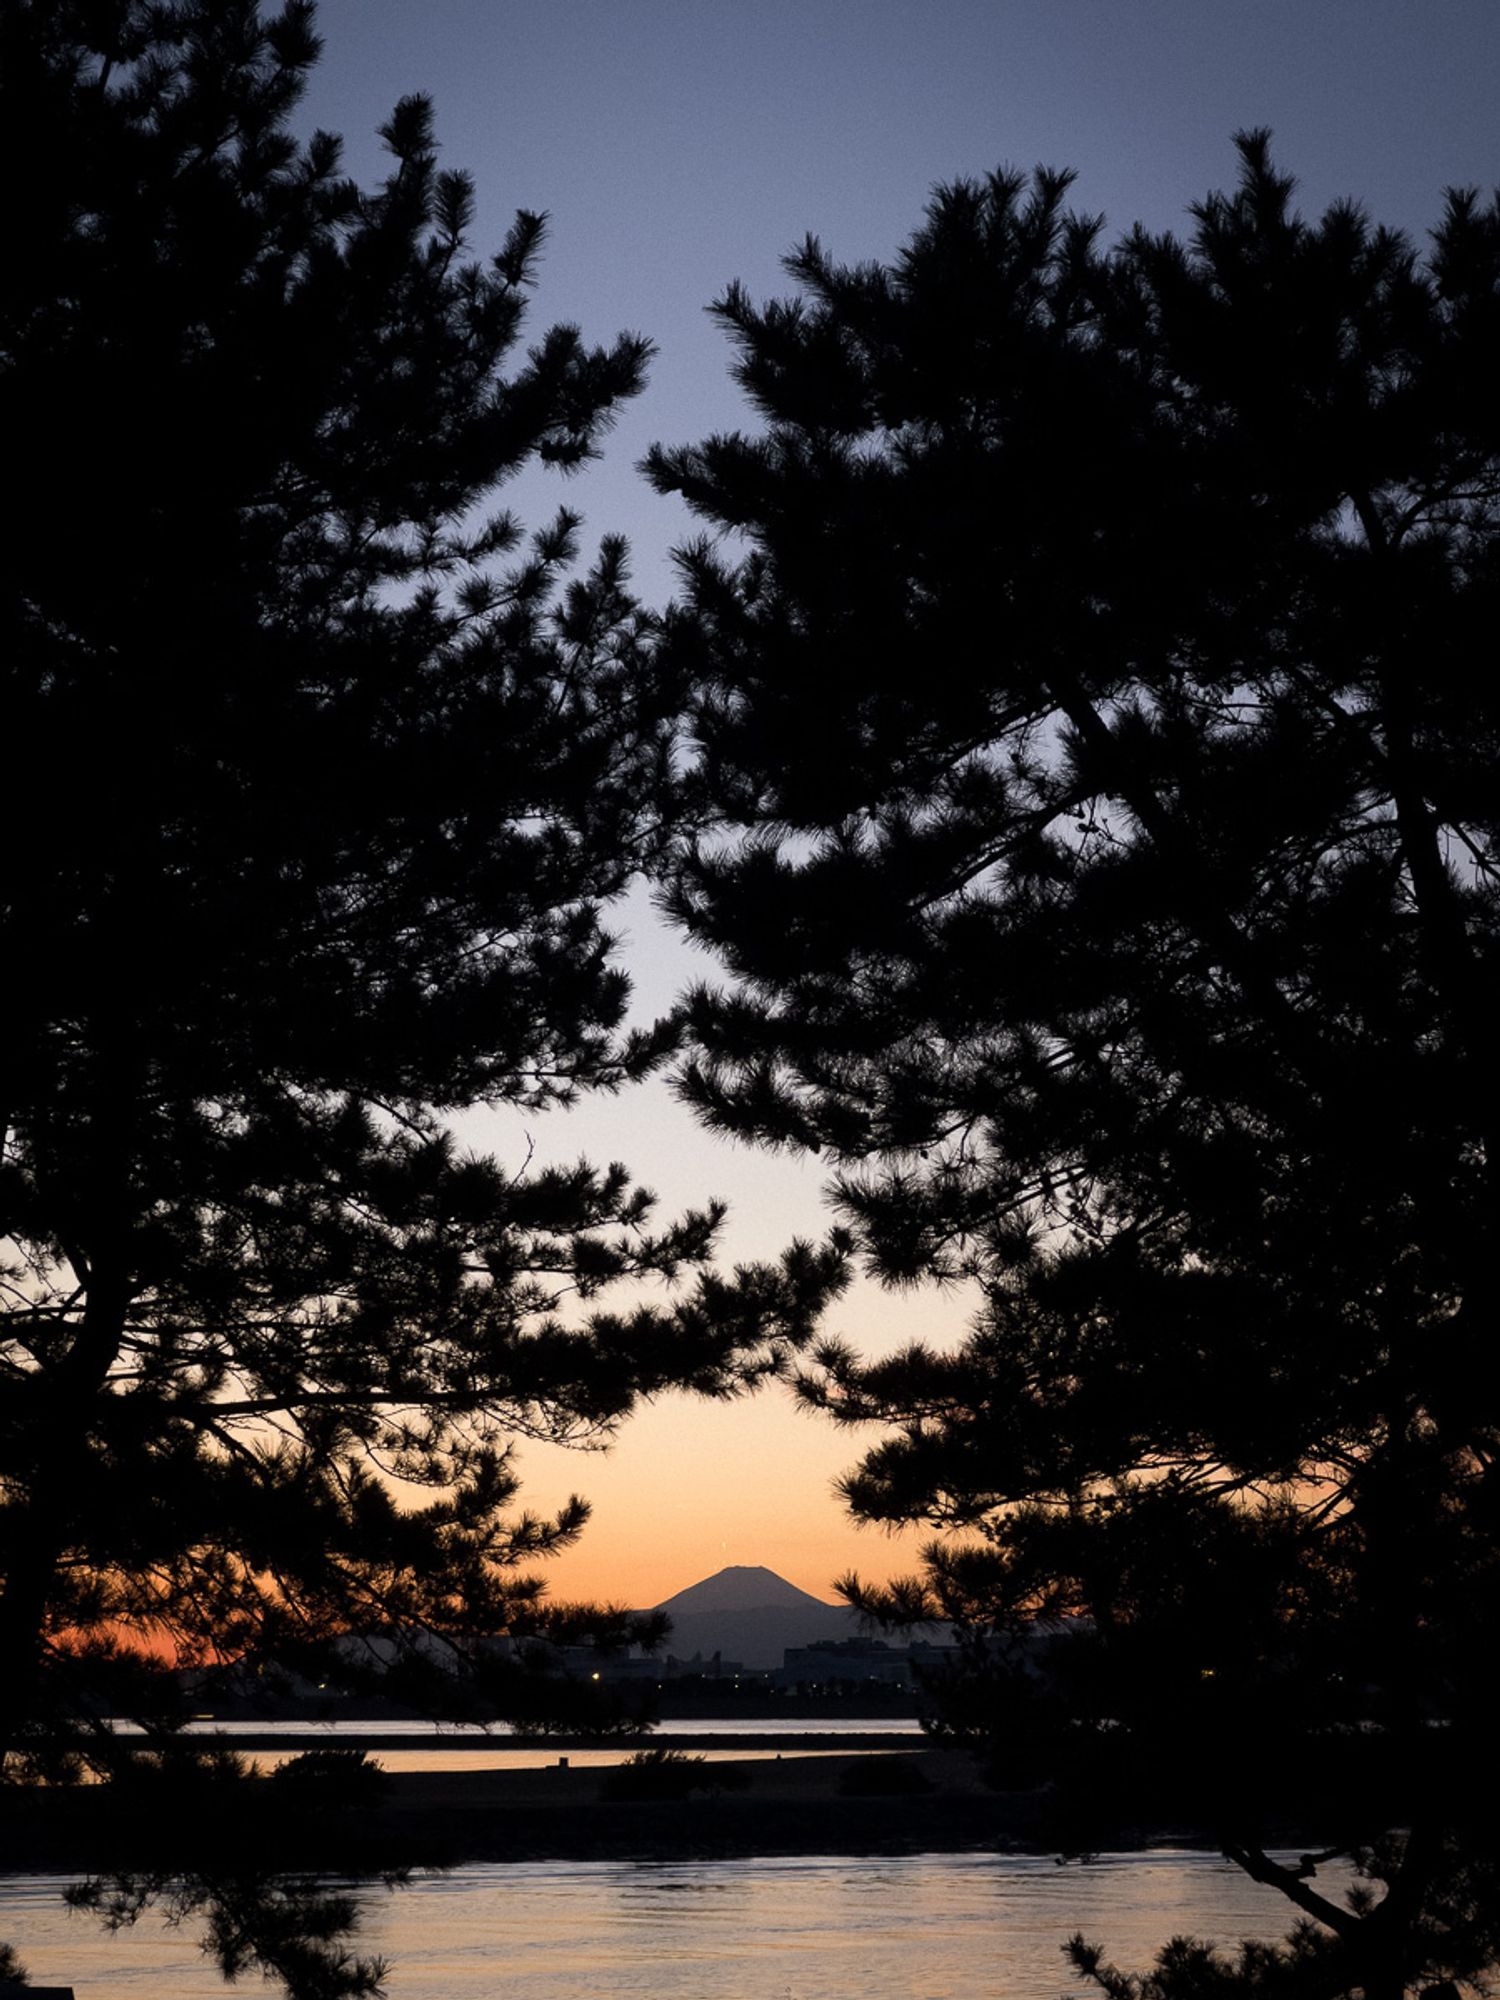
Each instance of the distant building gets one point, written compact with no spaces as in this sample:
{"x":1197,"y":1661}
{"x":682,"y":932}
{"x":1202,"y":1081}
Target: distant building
{"x":837,"y":1662}
{"x":638,"y":1666}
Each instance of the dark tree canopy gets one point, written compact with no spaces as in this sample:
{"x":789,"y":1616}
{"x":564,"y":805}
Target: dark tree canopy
{"x":1097,"y":779}
{"x":318,"y":784}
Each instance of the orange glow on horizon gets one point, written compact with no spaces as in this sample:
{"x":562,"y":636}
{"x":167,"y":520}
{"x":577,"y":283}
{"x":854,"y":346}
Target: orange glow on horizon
{"x":692,"y":1487}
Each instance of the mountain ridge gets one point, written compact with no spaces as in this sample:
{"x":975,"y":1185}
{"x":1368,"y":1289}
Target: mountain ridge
{"x":743,"y":1587}
{"x":749,"y":1614}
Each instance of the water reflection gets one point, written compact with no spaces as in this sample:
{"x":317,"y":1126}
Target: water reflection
{"x":923,"y":1927}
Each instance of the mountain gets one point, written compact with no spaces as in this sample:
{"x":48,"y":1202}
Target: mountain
{"x":752,"y":1615}
{"x":742,"y":1587}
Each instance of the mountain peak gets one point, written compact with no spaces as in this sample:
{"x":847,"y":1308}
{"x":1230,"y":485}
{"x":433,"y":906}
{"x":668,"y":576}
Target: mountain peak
{"x":741,"y":1587}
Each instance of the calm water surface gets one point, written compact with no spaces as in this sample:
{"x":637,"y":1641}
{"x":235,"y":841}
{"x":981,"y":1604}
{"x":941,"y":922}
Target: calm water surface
{"x":921,"y":1927}
{"x":471,"y":1747}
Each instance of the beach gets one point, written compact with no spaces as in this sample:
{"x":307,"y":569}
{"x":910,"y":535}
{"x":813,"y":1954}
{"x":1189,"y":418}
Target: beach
{"x":915,"y":1801}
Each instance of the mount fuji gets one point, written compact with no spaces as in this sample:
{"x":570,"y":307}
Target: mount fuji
{"x":750,"y":1614}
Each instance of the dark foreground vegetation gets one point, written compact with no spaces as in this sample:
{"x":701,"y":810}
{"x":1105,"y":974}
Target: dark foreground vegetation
{"x":1087,"y":780}
{"x":353,"y":772}
{"x":1099,"y":750}
{"x":905,"y":1802}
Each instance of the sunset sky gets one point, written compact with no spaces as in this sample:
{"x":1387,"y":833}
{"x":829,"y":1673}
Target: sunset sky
{"x":679,"y":144}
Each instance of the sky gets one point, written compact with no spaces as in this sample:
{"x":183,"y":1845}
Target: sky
{"x":677,"y":145}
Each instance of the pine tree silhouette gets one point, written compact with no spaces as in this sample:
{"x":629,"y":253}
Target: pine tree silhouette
{"x":1098,"y":781}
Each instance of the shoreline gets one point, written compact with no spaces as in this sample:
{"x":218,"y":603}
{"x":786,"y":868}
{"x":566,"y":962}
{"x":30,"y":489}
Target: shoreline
{"x":377,"y":1742}
{"x":796,"y":1805}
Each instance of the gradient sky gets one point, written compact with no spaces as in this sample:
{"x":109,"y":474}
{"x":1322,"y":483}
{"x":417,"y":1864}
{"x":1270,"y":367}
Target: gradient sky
{"x":678,"y":144}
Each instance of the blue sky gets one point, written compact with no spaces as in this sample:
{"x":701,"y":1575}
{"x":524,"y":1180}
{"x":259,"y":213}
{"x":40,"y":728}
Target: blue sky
{"x":679,"y":144}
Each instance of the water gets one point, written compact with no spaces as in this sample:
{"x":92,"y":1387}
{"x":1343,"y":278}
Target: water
{"x":497,"y":1732}
{"x":473,"y":1747}
{"x":441,"y":1757}
{"x":919,"y":1927}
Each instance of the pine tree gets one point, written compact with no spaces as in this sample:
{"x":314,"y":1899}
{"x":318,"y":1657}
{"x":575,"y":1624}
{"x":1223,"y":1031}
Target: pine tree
{"x":1098,"y":807}
{"x":318,"y":783}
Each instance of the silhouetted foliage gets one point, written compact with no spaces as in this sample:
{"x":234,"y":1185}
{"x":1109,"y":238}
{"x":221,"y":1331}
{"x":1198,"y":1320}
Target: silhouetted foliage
{"x":331,"y":1778}
{"x":656,"y":1774}
{"x":256,"y":1919}
{"x":320,"y":783}
{"x":1098,"y":805}
{"x":272,"y":1869}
